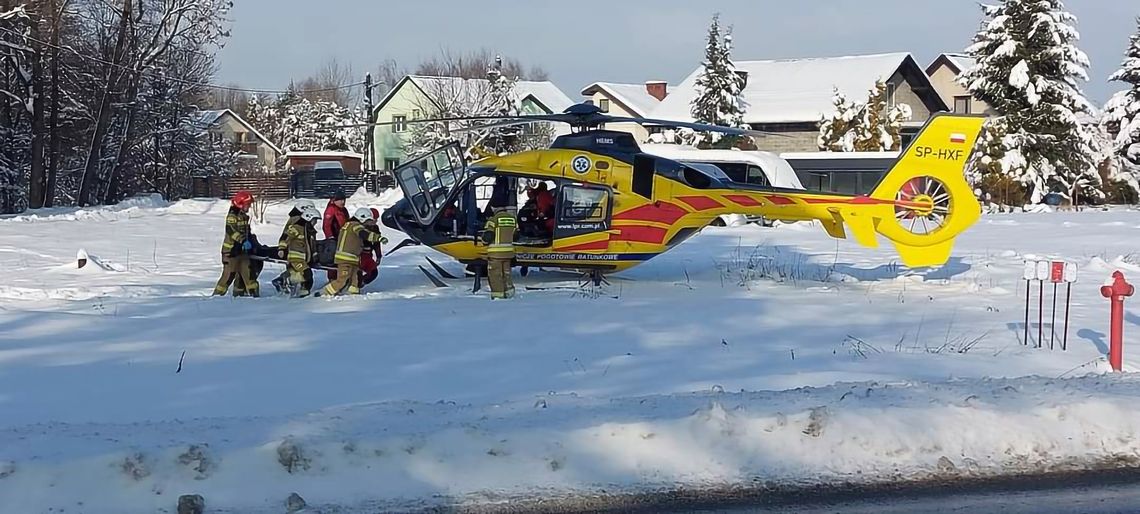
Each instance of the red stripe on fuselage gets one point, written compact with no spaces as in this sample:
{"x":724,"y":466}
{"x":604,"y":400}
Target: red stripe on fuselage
{"x":780,"y":200}
{"x":744,"y":201}
{"x":700,"y":203}
{"x":584,"y":247}
{"x":640,"y":234}
{"x":658,"y":212}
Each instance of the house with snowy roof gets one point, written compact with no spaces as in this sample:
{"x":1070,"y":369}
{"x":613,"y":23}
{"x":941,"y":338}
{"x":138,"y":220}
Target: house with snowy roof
{"x":225,"y":125}
{"x":944,"y":72}
{"x":789,"y":97}
{"x":635,"y":100}
{"x":419,"y":96}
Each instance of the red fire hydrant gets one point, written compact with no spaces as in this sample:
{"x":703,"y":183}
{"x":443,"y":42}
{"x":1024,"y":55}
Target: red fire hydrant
{"x":1117,"y":292}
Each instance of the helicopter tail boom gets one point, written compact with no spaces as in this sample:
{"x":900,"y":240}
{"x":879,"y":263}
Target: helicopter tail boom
{"x":921,"y":204}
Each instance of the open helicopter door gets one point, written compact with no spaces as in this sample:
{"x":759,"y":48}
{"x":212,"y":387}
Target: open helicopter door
{"x":427,"y":179}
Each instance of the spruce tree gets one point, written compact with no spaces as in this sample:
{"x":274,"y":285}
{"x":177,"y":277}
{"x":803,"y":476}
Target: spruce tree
{"x":719,"y":87}
{"x":869,"y":132}
{"x":1122,"y":115}
{"x":1029,"y":69}
{"x":872,"y":126}
{"x":502,"y":102}
{"x":836,"y":133}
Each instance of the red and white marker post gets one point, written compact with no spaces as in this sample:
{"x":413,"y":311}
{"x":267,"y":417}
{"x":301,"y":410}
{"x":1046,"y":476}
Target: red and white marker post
{"x":1055,"y":272}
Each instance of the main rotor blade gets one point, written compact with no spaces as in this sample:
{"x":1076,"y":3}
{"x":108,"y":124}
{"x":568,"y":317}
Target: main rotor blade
{"x":529,"y":118}
{"x":700,"y":127}
{"x":505,"y":123}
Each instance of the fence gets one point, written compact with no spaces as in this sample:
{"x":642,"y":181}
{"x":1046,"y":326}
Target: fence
{"x":298,"y":185}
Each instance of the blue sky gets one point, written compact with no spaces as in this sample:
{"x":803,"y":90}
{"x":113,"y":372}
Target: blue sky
{"x":584,"y":41}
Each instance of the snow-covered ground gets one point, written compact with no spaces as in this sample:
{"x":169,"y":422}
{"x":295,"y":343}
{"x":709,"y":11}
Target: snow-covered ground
{"x":745,"y":354}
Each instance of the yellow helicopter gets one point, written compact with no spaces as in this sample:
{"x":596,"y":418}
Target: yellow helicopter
{"x":614,"y":206}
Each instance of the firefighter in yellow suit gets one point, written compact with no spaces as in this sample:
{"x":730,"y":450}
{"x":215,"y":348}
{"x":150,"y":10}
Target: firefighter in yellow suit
{"x":349,"y":245}
{"x":298,"y":246}
{"x":237,"y":267}
{"x":499,"y":236}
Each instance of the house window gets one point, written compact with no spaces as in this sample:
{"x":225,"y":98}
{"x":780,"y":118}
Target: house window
{"x":416,"y":114}
{"x":604,"y":105}
{"x":891,"y":87}
{"x":391,"y":164}
{"x":962,"y":104}
{"x":399,"y":123}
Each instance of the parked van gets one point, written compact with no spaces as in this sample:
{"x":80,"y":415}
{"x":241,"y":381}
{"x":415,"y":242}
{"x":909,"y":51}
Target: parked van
{"x":756,"y":168}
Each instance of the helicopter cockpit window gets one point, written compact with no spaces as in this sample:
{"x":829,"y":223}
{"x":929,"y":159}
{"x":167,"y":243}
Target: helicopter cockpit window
{"x":427,"y":180}
{"x":702,"y":176}
{"x":584,"y":204}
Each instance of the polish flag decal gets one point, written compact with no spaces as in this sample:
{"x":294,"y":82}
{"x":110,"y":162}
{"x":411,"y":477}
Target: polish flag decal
{"x":957,"y":138}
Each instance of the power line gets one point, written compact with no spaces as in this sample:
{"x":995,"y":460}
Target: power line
{"x":178,"y":80}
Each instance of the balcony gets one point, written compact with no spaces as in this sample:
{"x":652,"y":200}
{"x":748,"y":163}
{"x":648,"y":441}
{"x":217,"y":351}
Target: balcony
{"x":248,"y":148}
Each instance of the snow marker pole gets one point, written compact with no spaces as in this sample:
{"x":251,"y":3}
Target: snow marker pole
{"x":1040,"y":311}
{"x":1053,"y":320}
{"x":1025,"y":340}
{"x":1065,"y":337}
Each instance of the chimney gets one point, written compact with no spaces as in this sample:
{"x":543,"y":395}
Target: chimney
{"x":658,"y":89}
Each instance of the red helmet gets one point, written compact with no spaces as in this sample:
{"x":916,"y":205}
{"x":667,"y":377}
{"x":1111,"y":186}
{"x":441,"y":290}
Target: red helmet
{"x":242,"y":199}
{"x":375,"y":214}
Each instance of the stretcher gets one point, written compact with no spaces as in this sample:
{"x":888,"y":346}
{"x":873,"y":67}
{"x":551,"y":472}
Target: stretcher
{"x":325,"y":251}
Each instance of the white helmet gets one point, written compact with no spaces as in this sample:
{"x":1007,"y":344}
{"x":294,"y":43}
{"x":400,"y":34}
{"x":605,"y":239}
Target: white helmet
{"x":363,"y":214}
{"x":309,"y":212}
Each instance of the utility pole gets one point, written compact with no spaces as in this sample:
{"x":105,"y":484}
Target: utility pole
{"x":369,"y":159}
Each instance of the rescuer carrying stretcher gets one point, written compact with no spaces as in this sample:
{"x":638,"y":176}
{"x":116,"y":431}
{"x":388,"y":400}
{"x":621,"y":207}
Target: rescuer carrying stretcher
{"x":348,"y":256}
{"x":298,"y":246}
{"x":354,"y":235}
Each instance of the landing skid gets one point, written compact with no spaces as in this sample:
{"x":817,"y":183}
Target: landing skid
{"x":434,"y":280}
{"x":406,"y":242}
{"x":440,"y":269}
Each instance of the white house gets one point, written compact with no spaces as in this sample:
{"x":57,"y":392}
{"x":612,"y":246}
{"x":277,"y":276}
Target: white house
{"x":792,"y":96}
{"x":632,"y":100}
{"x":226,"y":125}
{"x":419,"y":96}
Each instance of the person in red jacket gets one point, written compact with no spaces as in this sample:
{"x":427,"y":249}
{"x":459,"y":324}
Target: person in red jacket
{"x":544,"y":203}
{"x":369,"y":265}
{"x":336,"y":215}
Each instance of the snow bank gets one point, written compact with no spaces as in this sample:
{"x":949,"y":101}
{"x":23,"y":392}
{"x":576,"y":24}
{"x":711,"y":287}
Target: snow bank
{"x":125,"y":209}
{"x":395,"y":454}
{"x":387,"y":198}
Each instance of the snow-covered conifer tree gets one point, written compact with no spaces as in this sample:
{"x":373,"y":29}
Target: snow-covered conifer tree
{"x":1028,"y":69}
{"x":502,"y":102}
{"x":872,"y":126}
{"x":719,"y":87}
{"x":836,"y":134}
{"x":1121,"y":117}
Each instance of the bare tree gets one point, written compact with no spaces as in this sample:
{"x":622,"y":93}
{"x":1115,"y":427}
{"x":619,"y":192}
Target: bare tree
{"x":326,"y":84}
{"x":231,"y":98}
{"x":387,"y":74}
{"x":474,"y":64}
